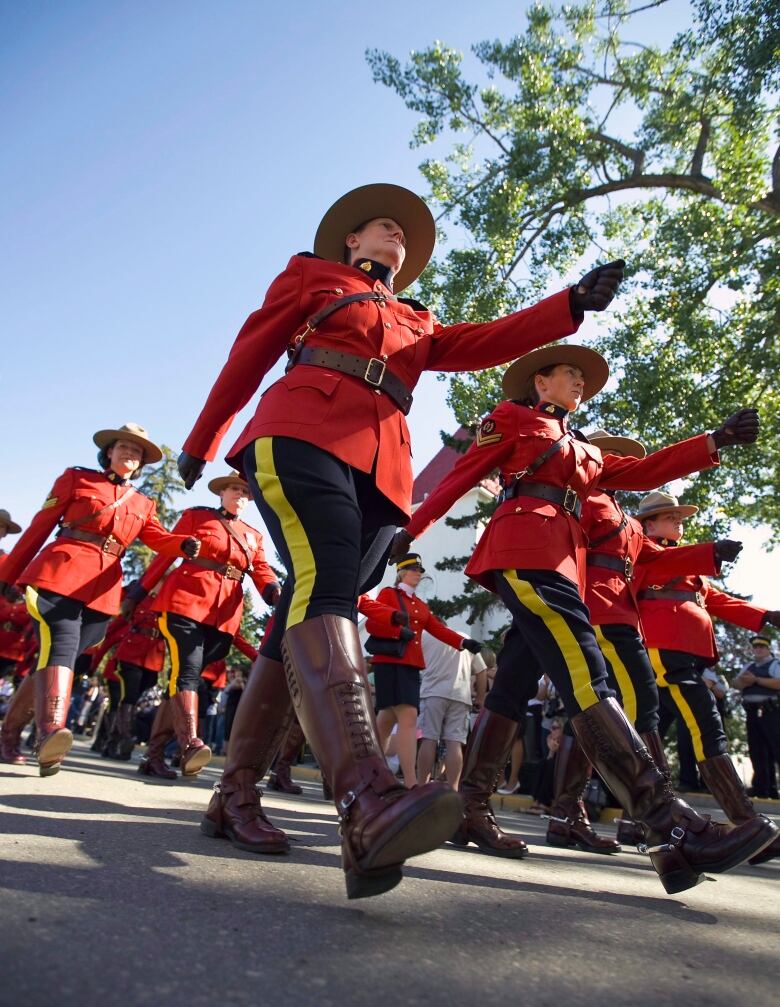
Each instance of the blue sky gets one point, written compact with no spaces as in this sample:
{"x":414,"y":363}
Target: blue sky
{"x":161,"y":162}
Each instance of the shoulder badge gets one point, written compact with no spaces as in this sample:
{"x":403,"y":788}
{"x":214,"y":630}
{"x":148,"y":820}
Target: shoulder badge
{"x":487,"y":433}
{"x":51,"y":501}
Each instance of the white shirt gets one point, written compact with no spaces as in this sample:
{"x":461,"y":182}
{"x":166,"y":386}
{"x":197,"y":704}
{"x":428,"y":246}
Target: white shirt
{"x":447,"y":671}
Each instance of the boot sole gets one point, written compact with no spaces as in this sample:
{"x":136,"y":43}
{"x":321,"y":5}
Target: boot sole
{"x":208,"y":828}
{"x":142,"y":771}
{"x":196,"y":762}
{"x":419,"y":831}
{"x":575,"y":845}
{"x":675,"y":882}
{"x":53,"y":750}
{"x":752,"y":849}
{"x":365,"y":886}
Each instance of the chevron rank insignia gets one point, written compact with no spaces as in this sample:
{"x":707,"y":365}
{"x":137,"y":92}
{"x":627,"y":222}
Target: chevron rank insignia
{"x":50,"y":502}
{"x":487,"y":434}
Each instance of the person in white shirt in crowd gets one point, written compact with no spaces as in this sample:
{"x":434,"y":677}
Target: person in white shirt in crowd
{"x":446,"y":703}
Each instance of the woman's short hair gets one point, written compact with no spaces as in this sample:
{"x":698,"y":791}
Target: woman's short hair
{"x":105,"y":462}
{"x":532,"y":396}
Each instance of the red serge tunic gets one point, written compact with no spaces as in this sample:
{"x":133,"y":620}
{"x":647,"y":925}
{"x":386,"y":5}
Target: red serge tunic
{"x":526,"y":533}
{"x":83,"y":570}
{"x":670,"y":624}
{"x":609,"y":595}
{"x":341,"y":414}
{"x":15,"y":623}
{"x":206,"y":595}
{"x":420,"y":618}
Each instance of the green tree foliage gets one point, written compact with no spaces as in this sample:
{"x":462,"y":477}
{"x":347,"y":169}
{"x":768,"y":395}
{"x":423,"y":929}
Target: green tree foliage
{"x":162,"y":483}
{"x":574,"y":141}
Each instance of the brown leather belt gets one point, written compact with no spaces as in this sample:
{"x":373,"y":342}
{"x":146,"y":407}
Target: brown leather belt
{"x":660,"y":594}
{"x":371,"y":370}
{"x":153,"y":634}
{"x":225,"y":569}
{"x":106,"y":542}
{"x":609,"y":562}
{"x":566,"y":498}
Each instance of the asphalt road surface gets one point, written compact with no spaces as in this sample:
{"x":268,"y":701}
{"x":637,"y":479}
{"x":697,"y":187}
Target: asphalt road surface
{"x":110,"y":895}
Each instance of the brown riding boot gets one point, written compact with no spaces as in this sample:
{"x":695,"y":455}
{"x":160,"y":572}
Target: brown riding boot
{"x":629,"y":832}
{"x":52,"y":701}
{"x":20,"y":712}
{"x":195,"y":754}
{"x":280,"y":778}
{"x":382,"y":823}
{"x":722,"y":780}
{"x":569,"y":822}
{"x":487,"y":754}
{"x":125,"y":742}
{"x":685,"y":845}
{"x":262,"y":720}
{"x":162,"y":732}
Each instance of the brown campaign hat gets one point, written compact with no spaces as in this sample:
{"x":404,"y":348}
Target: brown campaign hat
{"x":130,"y":432}
{"x":234,"y":479}
{"x":11,"y":525}
{"x":381,"y":199}
{"x":659,"y":503}
{"x":620,"y":445}
{"x":518,"y":378}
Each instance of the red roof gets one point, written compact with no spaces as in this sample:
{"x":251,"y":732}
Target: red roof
{"x":441,"y":465}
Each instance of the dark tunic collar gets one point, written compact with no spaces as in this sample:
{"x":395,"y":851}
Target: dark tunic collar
{"x":550,"y":409}
{"x":116,"y":479}
{"x":225,"y":514}
{"x":376,"y":270}
{"x":667,"y":543}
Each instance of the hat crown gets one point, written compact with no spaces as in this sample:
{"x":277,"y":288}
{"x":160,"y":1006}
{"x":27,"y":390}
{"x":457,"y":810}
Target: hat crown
{"x":5,"y":515}
{"x":658,"y":499}
{"x":134,"y":428}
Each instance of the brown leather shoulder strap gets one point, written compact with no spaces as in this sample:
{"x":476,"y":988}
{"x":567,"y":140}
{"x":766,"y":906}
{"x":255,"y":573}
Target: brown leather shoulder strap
{"x":239,"y":539}
{"x":342,"y":302}
{"x":103,"y":510}
{"x":610,"y":534}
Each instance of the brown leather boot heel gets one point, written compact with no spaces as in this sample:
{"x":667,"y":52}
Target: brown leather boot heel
{"x":20,"y":712}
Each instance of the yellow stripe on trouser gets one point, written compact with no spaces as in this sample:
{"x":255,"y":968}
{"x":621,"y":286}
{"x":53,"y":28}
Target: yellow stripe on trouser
{"x":572,"y":654}
{"x":122,"y":689}
{"x":173,"y":650}
{"x":679,"y":701}
{"x":31,"y":600}
{"x":295,"y":537}
{"x":626,"y":686}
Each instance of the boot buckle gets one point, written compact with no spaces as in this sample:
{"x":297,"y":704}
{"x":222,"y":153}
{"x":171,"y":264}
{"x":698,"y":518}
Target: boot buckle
{"x":560,"y":821}
{"x":345,"y":804}
{"x":677,"y":834}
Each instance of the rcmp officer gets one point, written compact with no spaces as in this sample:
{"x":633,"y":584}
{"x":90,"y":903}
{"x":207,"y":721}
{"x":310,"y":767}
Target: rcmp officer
{"x":397,"y":676}
{"x":533,"y":555}
{"x":616,"y":546}
{"x":73,"y":584}
{"x":759,"y":683}
{"x":677,"y":625}
{"x":201,"y":602}
{"x":328,"y":458}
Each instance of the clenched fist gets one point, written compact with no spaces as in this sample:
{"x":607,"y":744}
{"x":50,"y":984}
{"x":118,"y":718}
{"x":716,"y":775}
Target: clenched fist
{"x":597,"y":288}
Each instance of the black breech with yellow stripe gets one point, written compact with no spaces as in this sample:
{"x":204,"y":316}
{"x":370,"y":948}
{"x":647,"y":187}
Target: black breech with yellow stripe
{"x":630,"y":674}
{"x":331,"y":527}
{"x":191,"y":646}
{"x":65,"y":626}
{"x":550,"y":634}
{"x":684,"y":692}
{"x":133,"y":681}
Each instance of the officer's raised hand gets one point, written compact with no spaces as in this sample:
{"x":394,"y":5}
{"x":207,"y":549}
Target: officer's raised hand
{"x":9,"y":591}
{"x":399,"y":618}
{"x":190,"y":469}
{"x":740,"y":428}
{"x":271,"y":594}
{"x":472,"y":645}
{"x":773,"y":618}
{"x":400,"y":546}
{"x":132,"y":594}
{"x":596,"y":289}
{"x":726,"y":551}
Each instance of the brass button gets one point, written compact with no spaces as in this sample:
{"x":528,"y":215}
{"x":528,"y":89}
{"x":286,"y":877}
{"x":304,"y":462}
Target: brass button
{"x":384,"y":356}
{"x":388,"y":325}
{"x":338,"y":291}
{"x":419,"y":330}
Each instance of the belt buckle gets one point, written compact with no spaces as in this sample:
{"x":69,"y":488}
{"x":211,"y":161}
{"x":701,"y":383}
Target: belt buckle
{"x":570,"y":499}
{"x":231,"y":571}
{"x":629,"y":569}
{"x":699,"y":599}
{"x":108,"y":542}
{"x":372,"y":363}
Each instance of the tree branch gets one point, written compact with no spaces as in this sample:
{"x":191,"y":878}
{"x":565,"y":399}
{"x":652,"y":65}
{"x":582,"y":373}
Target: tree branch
{"x":697,"y":161}
{"x":637,"y":157}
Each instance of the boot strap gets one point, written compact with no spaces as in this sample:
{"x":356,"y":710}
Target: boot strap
{"x":677,"y":835}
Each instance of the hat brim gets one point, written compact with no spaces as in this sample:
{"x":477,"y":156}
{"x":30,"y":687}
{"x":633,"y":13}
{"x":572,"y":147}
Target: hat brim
{"x":12,"y":527}
{"x":380,"y":199}
{"x":620,"y":445}
{"x":683,"y":510}
{"x":222,"y":482}
{"x":103,"y":438}
{"x":518,"y":376}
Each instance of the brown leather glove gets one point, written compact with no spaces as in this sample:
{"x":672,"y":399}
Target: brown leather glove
{"x":597,"y":288}
{"x":726,"y":551}
{"x":399,"y":618}
{"x":773,"y":618}
{"x":190,"y":547}
{"x":740,"y":428}
{"x":400,"y":546}
{"x":10,"y":592}
{"x":190,"y":469}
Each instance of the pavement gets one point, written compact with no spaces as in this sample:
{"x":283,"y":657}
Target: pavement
{"x":111,"y":895}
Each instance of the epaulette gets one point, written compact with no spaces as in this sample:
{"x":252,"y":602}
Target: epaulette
{"x":580,"y":436}
{"x":200,"y":507}
{"x":308,"y":255}
{"x":414,"y":305}
{"x":85,"y":468}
